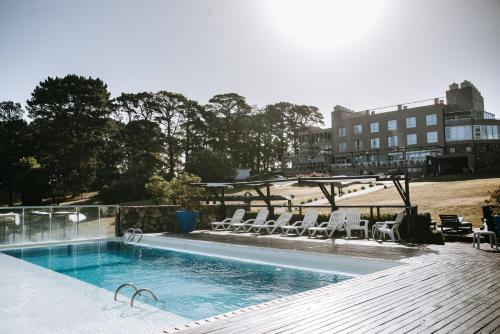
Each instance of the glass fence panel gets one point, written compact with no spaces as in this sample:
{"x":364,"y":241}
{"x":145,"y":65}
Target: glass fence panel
{"x":10,"y":225}
{"x":108,"y":221}
{"x":45,"y":224}
{"x":88,"y":223}
{"x":37,"y":224}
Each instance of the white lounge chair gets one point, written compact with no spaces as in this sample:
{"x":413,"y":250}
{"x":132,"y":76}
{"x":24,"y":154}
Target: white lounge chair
{"x":353,"y":221}
{"x":300,"y":227}
{"x":385,"y":228}
{"x":247,"y":225}
{"x":336,"y":222}
{"x":226,"y":223}
{"x":272,"y":225}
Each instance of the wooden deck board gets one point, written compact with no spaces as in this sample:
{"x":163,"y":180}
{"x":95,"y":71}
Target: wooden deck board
{"x":448,"y":290}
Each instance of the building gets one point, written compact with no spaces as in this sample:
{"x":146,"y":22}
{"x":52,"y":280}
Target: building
{"x":314,"y":152}
{"x":419,"y":138}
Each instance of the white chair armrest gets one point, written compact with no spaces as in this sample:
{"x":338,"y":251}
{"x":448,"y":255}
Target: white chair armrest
{"x":322,"y":224}
{"x":248,"y":221}
{"x":269,"y":222}
{"x":363,"y":221}
{"x":296,"y":223}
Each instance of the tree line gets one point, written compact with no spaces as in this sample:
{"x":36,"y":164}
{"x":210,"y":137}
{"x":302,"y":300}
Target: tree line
{"x":72,"y":138}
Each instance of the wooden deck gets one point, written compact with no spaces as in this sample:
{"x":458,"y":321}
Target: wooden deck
{"x":450,"y":289}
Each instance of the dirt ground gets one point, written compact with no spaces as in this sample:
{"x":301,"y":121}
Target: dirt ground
{"x":463,"y":197}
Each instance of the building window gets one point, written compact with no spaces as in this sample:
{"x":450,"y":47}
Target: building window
{"x":457,"y":133}
{"x":358,"y":129}
{"x":485,"y":132}
{"x":342,"y":132}
{"x":411,"y":122}
{"x":431,"y":119}
{"x":452,"y":150}
{"x":411,"y":139}
{"x":358,"y":144}
{"x":392,"y":141}
{"x":392,"y":125}
{"x":432,"y":137}
{"x":374,"y":127}
{"x":342,"y":147}
{"x":375,"y":143}
{"x":468,"y":149}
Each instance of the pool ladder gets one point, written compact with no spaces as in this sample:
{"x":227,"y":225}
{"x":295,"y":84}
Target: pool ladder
{"x":131,"y":233}
{"x":138,"y":292}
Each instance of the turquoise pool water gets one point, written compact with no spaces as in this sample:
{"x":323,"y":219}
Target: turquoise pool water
{"x":190,"y":285}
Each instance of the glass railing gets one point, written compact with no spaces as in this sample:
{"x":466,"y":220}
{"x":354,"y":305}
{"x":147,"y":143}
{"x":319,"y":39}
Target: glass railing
{"x":37,"y":224}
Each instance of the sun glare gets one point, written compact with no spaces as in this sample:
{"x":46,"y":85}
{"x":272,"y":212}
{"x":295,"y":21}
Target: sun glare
{"x":324,"y":23}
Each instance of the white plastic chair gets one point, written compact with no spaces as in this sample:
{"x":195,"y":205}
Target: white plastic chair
{"x":247,"y":225}
{"x":336,"y":222}
{"x":300,"y":227}
{"x":226,"y":223}
{"x":476,"y":239}
{"x":353,"y":221}
{"x":385,"y":228}
{"x":272,"y":225}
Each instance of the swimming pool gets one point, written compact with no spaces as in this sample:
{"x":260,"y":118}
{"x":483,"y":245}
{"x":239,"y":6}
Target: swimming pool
{"x":191,"y":285}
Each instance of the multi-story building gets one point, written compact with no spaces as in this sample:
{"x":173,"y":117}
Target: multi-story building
{"x":437,"y":137}
{"x":314,"y":152}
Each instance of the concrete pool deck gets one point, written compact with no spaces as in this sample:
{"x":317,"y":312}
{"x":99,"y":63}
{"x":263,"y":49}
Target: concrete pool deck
{"x":38,"y":300}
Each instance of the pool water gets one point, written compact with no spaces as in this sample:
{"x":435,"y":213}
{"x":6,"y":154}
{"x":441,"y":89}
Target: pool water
{"x":190,"y":285}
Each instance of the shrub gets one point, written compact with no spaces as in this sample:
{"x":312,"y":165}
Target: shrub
{"x":349,"y":191}
{"x":371,"y":185}
{"x":363,"y":188}
{"x":315,"y":199}
{"x":302,"y":202}
{"x":309,"y":200}
{"x":158,"y":188}
{"x":354,"y":190}
{"x":188,"y":197}
{"x":385,"y":186}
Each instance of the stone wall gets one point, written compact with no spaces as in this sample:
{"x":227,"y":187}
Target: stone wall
{"x":162,"y":218}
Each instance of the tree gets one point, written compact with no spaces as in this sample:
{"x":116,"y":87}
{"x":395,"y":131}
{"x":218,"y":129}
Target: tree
{"x":144,"y":149}
{"x":230,"y":123}
{"x":210,"y":166}
{"x":14,"y":146}
{"x":299,"y":118}
{"x":69,"y":115}
{"x":135,"y":106}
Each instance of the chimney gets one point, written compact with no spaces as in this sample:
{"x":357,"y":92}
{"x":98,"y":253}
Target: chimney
{"x":400,"y":107}
{"x":405,"y":107}
{"x":436,"y":100}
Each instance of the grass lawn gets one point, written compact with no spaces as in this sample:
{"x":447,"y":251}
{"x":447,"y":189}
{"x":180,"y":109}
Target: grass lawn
{"x":461,"y":197}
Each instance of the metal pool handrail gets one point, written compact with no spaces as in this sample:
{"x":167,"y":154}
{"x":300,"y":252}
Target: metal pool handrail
{"x":122,"y":286}
{"x":138,"y":292}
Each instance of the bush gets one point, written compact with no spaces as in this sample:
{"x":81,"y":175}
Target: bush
{"x":385,"y":186}
{"x":363,"y":188}
{"x":309,"y":200}
{"x":315,"y":199}
{"x":158,"y":188}
{"x":371,"y":185}
{"x":349,"y":191}
{"x":302,"y":202}
{"x":354,"y":190}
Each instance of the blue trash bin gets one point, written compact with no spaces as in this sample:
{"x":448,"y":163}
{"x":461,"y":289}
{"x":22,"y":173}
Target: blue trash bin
{"x":187,"y":220}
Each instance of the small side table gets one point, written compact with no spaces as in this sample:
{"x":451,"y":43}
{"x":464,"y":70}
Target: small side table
{"x":477,"y":238}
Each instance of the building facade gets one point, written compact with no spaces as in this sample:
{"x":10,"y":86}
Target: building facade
{"x":433,"y":138}
{"x":315,"y":151}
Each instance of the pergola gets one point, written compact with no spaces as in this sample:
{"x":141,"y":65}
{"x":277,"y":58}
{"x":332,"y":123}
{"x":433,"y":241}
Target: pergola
{"x":326,"y":184}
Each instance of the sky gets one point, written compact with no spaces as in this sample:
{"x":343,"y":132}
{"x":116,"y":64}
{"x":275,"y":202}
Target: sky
{"x":359,"y":54}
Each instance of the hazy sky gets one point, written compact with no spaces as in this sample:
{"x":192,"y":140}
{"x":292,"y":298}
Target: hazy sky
{"x":360,"y":54}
